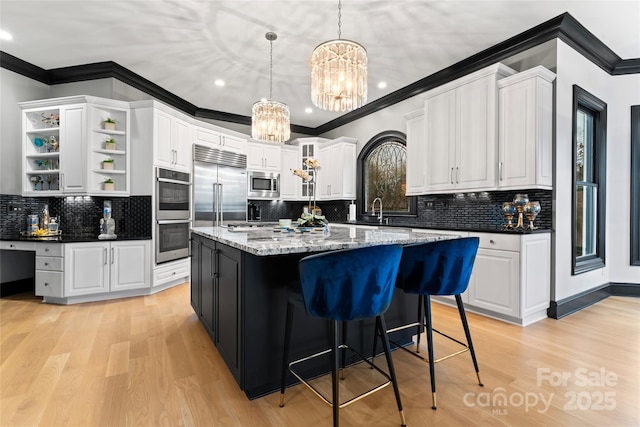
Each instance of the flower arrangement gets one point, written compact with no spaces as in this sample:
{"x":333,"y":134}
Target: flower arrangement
{"x":313,"y":218}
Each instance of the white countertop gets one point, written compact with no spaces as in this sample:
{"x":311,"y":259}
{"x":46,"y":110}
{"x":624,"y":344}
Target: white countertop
{"x":263,"y":241}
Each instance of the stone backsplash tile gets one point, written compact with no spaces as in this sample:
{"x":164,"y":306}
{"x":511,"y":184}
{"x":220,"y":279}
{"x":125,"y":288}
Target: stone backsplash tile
{"x":80,"y":216}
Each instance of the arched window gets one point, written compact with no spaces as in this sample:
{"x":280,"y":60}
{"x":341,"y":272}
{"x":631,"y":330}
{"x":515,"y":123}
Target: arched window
{"x":382,"y":172}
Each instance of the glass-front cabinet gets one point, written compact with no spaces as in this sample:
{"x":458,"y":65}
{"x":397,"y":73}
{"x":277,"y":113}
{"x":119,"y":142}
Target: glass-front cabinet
{"x":75,"y":146}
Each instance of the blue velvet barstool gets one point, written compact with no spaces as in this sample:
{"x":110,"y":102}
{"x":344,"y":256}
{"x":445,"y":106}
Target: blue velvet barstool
{"x":341,"y":286}
{"x":437,"y":268}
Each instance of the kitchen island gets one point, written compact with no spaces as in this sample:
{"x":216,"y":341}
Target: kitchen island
{"x":239,"y":283}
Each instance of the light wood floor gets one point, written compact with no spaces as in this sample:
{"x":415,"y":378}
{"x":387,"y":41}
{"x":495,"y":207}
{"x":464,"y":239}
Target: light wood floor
{"x":148,"y":362}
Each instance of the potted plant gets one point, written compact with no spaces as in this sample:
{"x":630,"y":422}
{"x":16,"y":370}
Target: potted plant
{"x":110,"y":144}
{"x":109,"y":124}
{"x":109,"y":185}
{"x":107,"y":164}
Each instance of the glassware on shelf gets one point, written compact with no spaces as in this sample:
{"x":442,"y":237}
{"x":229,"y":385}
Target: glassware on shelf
{"x":34,"y":180}
{"x":519,"y":201}
{"x":531,"y":210}
{"x":508,"y":210}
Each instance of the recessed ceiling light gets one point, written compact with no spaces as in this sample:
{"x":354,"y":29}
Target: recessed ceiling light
{"x":219,"y":82}
{"x":308,"y":110}
{"x":5,"y":35}
{"x":382,"y":85}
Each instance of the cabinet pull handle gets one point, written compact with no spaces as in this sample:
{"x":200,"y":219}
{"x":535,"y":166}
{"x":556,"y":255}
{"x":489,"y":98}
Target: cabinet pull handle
{"x":112,"y":257}
{"x":500,"y":170}
{"x":105,"y":256}
{"x":452,"y":175}
{"x":46,"y":249}
{"x":492,"y":242}
{"x":46,"y":263}
{"x":457,"y":175}
{"x":46,"y":283}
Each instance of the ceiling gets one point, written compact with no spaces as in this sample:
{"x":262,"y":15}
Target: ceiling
{"x":185,"y":45}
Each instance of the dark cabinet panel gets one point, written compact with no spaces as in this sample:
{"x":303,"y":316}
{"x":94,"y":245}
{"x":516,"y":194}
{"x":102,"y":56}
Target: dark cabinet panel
{"x":228,"y":307}
{"x":196,"y":277}
{"x":208,"y":271}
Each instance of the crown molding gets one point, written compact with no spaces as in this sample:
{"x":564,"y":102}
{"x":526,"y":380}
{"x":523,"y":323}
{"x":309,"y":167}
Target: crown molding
{"x":564,"y":27}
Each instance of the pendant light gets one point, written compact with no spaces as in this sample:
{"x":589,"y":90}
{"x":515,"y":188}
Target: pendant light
{"x":270,"y":120}
{"x":339,"y":73}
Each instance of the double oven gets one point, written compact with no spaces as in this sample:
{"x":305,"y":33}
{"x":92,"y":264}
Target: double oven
{"x":173,"y":213}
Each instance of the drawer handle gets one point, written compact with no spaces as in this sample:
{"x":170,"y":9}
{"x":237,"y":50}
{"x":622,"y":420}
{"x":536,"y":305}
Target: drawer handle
{"x":12,"y":246}
{"x":46,"y":263}
{"x":46,"y":283}
{"x":46,"y":249}
{"x":492,"y":242}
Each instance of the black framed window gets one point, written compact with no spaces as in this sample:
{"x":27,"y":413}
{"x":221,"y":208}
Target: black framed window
{"x":589,"y":181}
{"x":635,"y":185}
{"x":382,"y":172}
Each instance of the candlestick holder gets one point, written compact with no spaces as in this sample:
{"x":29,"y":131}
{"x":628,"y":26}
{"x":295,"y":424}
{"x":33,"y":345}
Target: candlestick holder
{"x":531,"y":210}
{"x":508,"y":210}
{"x":519,"y":201}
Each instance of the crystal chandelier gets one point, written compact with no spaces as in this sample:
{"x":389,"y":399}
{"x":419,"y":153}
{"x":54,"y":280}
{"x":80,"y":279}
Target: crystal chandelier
{"x":339,"y":73}
{"x":270,"y":120}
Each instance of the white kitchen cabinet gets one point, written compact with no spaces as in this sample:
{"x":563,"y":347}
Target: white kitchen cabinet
{"x":511,"y":276}
{"x":101,"y":267}
{"x":290,"y":188}
{"x":64,"y":146}
{"x":171,"y":273}
{"x":49,"y":281}
{"x":526,"y":130}
{"x":211,"y":138}
{"x":415,"y":152}
{"x":172,"y":136}
{"x":54,"y":152}
{"x":337,"y":174}
{"x":263,"y":156}
{"x":461,"y":132}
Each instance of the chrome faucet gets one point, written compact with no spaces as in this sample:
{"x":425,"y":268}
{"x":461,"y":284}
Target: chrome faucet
{"x":373,"y":208}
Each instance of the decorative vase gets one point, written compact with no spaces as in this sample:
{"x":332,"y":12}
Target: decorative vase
{"x":109,"y":126}
{"x":107,"y":165}
{"x":109,"y":186}
{"x":110,"y":145}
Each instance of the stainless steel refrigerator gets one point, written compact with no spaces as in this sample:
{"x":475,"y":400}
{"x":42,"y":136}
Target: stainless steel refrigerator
{"x":219,"y":187}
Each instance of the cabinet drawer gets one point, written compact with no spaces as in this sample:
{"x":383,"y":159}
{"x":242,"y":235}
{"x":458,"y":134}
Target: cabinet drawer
{"x":503,"y":242}
{"x":49,"y":263}
{"x":17,"y":246}
{"x":49,"y":284}
{"x":170,"y":273}
{"x":49,"y":249}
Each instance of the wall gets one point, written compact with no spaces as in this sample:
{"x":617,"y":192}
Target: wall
{"x":14,"y":88}
{"x":619,"y":92}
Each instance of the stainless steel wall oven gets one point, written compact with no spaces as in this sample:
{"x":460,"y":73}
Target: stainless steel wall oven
{"x":173,"y":214}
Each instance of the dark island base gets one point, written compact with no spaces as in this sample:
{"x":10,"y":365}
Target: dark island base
{"x":249,"y":308}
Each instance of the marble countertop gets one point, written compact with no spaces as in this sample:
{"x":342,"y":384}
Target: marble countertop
{"x":264,"y":241}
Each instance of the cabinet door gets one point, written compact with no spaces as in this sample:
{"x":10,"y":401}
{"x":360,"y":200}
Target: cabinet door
{"x":255,"y":156}
{"x":181,"y":145}
{"x":289,"y":183}
{"x":476,"y":135}
{"x":415,"y":154}
{"x":196,"y":277}
{"x":228,"y":307}
{"x":130,"y":265}
{"x":272,"y":160}
{"x":232,"y":143}
{"x":86,"y":268}
{"x":495,"y":284}
{"x":439,"y":117}
{"x":323,"y":175}
{"x":163,"y":146}
{"x":207,"y":271}
{"x":73,"y":158}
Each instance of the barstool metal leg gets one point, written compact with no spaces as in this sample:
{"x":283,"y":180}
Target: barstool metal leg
{"x":343,"y":352}
{"x":287,"y":346}
{"x":382,"y":329}
{"x":432,"y":370}
{"x":420,"y":322}
{"x":465,"y":325}
{"x":335,"y":403}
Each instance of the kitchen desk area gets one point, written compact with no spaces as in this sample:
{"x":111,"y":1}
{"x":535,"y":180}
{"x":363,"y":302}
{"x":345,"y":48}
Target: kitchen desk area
{"x":239,"y":281}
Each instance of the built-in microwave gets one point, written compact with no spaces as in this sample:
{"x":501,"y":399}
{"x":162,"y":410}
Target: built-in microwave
{"x":263,"y":185}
